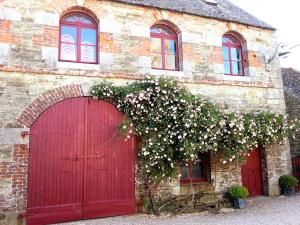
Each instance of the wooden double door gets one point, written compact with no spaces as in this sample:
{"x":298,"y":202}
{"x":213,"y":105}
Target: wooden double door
{"x":79,"y":167}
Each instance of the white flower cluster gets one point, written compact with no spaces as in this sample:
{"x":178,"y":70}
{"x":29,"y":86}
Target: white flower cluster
{"x":175,"y":125}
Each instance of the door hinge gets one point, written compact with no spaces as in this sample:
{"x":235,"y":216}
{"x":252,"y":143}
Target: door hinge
{"x":26,"y":133}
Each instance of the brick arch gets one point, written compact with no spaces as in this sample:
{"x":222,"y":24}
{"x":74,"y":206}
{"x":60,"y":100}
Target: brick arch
{"x":168,"y":24}
{"x":46,"y":100}
{"x":80,"y":9}
{"x":152,"y":16}
{"x":94,"y":7}
{"x":156,"y":15}
{"x":238,"y":35}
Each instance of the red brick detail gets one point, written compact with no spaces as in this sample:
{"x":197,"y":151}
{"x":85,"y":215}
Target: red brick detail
{"x":92,"y":8}
{"x":190,"y":52}
{"x":134,"y":76}
{"x":49,"y":37}
{"x":237,"y":35}
{"x":141,"y":47}
{"x":108,"y":44}
{"x":245,"y":59}
{"x":17,"y":171}
{"x":4,"y":168}
{"x":216,"y":56}
{"x":254,"y":60}
{"x":169,"y":24}
{"x":155,"y":15}
{"x":46,"y":100}
{"x":81,"y":9}
{"x":6,"y":36}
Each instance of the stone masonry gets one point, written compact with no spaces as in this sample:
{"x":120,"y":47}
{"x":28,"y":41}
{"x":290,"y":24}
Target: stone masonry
{"x":291,"y":84}
{"x":32,"y":79}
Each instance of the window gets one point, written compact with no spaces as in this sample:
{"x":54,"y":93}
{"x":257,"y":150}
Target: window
{"x":78,"y":39}
{"x":197,"y":172}
{"x":232,"y":56}
{"x":164,"y":48}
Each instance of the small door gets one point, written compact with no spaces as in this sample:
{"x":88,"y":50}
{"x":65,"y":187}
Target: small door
{"x":252,"y":174}
{"x":79,"y":167}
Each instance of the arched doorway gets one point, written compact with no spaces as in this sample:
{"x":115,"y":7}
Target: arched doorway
{"x":79,"y":167}
{"x":252,"y":173}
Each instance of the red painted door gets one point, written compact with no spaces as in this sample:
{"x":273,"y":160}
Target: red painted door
{"x":296,"y":169}
{"x":74,"y":164}
{"x":109,"y":180}
{"x":252,"y":174}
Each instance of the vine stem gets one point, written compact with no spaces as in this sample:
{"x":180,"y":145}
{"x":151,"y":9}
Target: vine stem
{"x":148,"y":193}
{"x":186,"y":196}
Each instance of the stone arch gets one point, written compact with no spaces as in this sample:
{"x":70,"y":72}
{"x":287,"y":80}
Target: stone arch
{"x":46,"y":100}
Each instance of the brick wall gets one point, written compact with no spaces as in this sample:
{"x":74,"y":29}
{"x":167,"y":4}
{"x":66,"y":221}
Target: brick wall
{"x":13,"y":184}
{"x":32,"y":79}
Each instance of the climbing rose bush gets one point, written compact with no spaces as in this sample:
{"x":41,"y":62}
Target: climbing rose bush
{"x":174,"y":125}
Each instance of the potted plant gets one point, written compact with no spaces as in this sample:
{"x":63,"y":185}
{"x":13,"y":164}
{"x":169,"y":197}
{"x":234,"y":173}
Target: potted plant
{"x":288,"y":184}
{"x":238,"y":195}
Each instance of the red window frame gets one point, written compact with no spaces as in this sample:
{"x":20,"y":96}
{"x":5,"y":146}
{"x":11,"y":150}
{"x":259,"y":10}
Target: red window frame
{"x":204,"y":161}
{"x":163,"y":37}
{"x":79,"y":26}
{"x":236,"y":45}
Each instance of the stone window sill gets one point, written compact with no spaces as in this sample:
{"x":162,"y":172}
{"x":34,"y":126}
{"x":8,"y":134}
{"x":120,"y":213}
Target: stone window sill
{"x":200,"y":182}
{"x":76,"y":66}
{"x":234,"y":78}
{"x":157,"y":72}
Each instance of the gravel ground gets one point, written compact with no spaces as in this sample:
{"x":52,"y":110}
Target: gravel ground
{"x":259,"y":211}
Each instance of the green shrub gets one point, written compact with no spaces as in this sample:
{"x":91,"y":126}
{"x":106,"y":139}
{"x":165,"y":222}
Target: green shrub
{"x":288,"y":181}
{"x":238,"y":192}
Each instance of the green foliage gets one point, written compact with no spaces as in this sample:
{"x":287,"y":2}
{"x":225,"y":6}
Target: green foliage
{"x":175,"y":125}
{"x":236,"y":192}
{"x":288,"y":181}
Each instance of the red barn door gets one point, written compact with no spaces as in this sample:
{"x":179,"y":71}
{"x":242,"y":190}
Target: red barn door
{"x":252,"y":174}
{"x":79,"y":167}
{"x":109,"y":176}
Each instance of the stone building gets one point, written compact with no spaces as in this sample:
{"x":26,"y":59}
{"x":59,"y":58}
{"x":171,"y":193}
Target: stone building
{"x":52,"y":52}
{"x":291,"y":85}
